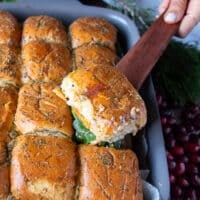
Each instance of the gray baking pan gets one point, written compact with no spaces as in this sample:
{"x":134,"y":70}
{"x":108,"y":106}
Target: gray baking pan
{"x":69,"y":10}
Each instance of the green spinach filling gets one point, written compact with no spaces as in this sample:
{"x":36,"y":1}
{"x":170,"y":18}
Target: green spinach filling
{"x":85,"y":136}
{"x":82,"y":134}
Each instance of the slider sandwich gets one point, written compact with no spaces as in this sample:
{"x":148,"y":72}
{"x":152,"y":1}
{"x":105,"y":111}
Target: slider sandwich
{"x":108,"y":173}
{"x":8,"y":102}
{"x":10,"y":63}
{"x":4,"y":181}
{"x":41,"y":112}
{"x":44,"y":62}
{"x":10,"y":33}
{"x":43,"y":167}
{"x":88,"y":56}
{"x":92,"y":30}
{"x":105,"y":105}
{"x":43,"y":28}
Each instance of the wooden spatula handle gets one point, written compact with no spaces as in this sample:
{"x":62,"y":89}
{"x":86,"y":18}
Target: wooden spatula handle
{"x":141,"y":58}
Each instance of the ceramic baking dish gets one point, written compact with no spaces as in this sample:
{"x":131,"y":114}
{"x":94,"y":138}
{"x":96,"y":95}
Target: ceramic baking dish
{"x":150,"y":146}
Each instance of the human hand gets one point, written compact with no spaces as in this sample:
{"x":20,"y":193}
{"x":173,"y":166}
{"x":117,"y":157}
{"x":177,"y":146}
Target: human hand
{"x":186,"y":11}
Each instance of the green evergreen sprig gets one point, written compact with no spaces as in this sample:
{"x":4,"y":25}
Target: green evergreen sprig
{"x":142,"y":17}
{"x":177,"y":73}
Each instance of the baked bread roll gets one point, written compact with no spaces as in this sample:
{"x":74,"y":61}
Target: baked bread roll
{"x":43,"y":168}
{"x":8,"y":104}
{"x":45,"y":62}
{"x":4,"y":181}
{"x":43,"y":28}
{"x":91,"y":55}
{"x":92,"y":30}
{"x":10,"y":33}
{"x":41,"y":111}
{"x":107,"y":173}
{"x":3,"y":152}
{"x":10,"y":63}
{"x":105,"y":102}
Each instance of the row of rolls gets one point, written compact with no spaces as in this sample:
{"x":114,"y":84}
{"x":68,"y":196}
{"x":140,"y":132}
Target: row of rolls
{"x":52,"y":76}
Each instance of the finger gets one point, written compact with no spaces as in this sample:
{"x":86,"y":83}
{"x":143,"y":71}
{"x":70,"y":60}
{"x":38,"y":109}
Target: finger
{"x":191,"y":19}
{"x":175,"y":11}
{"x":163,"y":6}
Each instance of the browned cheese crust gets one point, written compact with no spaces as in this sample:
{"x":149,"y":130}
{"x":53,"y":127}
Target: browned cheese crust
{"x":105,"y":101}
{"x":10,"y":30}
{"x":45,"y":62}
{"x":43,"y":168}
{"x":10,"y":62}
{"x":8,"y":104}
{"x":89,"y":56}
{"x":107,"y":173}
{"x":40,"y":110}
{"x":43,"y":28}
{"x":4,"y":181}
{"x":92,"y":30}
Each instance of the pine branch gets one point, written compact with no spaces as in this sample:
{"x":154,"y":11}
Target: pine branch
{"x":177,"y":73}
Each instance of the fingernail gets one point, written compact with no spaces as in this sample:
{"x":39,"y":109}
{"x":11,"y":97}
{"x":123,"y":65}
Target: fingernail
{"x":170,"y":17}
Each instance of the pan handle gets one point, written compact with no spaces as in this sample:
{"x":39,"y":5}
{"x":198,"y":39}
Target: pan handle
{"x":141,"y":58}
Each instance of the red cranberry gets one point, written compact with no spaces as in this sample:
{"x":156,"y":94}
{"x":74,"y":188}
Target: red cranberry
{"x":180,"y":168}
{"x":191,"y":194}
{"x":187,"y":115}
{"x":182,"y":137}
{"x":167,"y":129}
{"x":171,"y":165}
{"x":169,"y":156}
{"x":159,"y":99}
{"x":172,"y":121}
{"x":172,"y":178}
{"x":195,"y":158}
{"x":192,"y":168}
{"x":176,"y":191}
{"x":189,"y":127}
{"x":183,"y":158}
{"x":195,"y":179}
{"x":195,"y":138}
{"x":195,"y":108}
{"x":183,"y":182}
{"x":191,"y":147}
{"x":196,"y":121}
{"x":170,"y":142}
{"x":164,"y":104}
{"x":163,"y":120}
{"x":183,"y":129}
{"x":177,"y":150}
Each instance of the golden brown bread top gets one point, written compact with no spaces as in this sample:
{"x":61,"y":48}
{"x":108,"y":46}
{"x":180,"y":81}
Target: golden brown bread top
{"x":8,"y":104}
{"x":92,"y":30}
{"x":105,"y":101}
{"x":45,"y":62}
{"x":43,"y":168}
{"x":4,"y":181}
{"x":10,"y":30}
{"x":41,"y":110}
{"x":10,"y":63}
{"x":43,"y":28}
{"x":88,"y":56}
{"x":3,"y":152}
{"x":108,"y":173}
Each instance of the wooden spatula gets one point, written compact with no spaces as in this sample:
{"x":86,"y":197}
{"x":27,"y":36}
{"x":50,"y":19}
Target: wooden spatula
{"x":141,"y":58}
